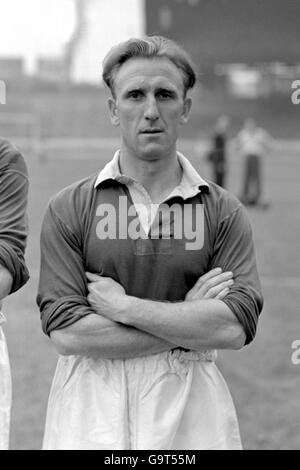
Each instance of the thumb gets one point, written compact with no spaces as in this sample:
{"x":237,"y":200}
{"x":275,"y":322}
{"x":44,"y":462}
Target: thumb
{"x":93,"y":277}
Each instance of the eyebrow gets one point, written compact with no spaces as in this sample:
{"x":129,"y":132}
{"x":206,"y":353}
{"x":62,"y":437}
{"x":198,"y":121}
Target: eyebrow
{"x":142,"y":89}
{"x":167,"y":90}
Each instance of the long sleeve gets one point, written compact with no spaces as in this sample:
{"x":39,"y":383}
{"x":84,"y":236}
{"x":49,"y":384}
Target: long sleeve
{"x":13,"y":217}
{"x":234,"y":251}
{"x":62,"y":295}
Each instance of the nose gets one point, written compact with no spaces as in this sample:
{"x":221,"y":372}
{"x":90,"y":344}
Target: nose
{"x":151,"y":112}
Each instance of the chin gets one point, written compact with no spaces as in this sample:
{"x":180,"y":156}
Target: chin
{"x":152,"y":155}
{"x":154,"y":152}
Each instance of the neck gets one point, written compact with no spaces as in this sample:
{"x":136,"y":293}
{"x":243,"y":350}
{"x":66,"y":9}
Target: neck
{"x":159,"y":176}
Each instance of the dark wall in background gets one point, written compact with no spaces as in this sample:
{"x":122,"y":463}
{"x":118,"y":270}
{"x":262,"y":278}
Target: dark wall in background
{"x":230,"y":30}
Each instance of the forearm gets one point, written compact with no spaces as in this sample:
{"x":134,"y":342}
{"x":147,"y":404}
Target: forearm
{"x":197,"y":325}
{"x":6,"y":281}
{"x":13,"y":223}
{"x":95,"y":335}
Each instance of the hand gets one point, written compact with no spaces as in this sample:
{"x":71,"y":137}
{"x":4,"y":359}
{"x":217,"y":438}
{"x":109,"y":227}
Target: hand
{"x":106,"y":296}
{"x":213,"y":285}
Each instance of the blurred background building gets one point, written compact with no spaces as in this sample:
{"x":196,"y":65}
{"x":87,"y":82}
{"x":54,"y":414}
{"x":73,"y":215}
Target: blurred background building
{"x":244,"y":50}
{"x":69,"y":38}
{"x":251,"y":45}
{"x":230,"y":31}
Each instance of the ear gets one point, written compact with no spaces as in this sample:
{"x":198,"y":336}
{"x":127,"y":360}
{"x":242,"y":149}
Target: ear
{"x":113,"y":111}
{"x":186,"y":110}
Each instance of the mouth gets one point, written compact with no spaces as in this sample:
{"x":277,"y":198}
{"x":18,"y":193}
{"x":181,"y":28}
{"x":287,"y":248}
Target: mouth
{"x":151,"y":131}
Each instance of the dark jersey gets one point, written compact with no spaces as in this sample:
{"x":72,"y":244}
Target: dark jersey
{"x":158,"y":269}
{"x":13,"y":218}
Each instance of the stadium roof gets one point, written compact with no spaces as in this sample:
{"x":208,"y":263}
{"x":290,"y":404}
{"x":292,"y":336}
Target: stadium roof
{"x":231,"y":30}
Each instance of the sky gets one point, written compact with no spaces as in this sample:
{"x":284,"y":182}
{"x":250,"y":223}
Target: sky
{"x":109,"y":22}
{"x":33,"y":27}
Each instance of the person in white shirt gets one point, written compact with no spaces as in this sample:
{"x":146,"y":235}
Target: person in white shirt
{"x":253,"y":142}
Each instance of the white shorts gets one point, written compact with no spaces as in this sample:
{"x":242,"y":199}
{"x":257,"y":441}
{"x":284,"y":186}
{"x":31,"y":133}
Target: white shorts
{"x":172,"y":400}
{"x":5,"y":390}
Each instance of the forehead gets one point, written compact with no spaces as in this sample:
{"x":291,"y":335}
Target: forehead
{"x":142,"y":72}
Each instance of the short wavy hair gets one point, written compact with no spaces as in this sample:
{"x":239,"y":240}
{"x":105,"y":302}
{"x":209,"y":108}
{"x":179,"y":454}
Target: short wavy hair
{"x":148,"y":46}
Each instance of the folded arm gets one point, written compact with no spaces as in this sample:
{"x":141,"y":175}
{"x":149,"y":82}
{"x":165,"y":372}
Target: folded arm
{"x":95,"y":335}
{"x":75,"y":326}
{"x":197,"y":325}
{"x":199,"y":322}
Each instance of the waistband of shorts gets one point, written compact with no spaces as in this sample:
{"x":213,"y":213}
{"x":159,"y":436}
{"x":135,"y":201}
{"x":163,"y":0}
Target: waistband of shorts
{"x":177,"y":360}
{"x":209,"y":355}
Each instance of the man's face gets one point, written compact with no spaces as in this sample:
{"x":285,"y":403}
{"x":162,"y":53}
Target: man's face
{"x":149,"y":106}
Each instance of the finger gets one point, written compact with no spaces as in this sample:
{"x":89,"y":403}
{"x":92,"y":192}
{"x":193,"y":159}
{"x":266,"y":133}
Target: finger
{"x":223,"y":293}
{"x":211,"y":288}
{"x":210,"y":274}
{"x":213,"y":292}
{"x":212,"y":279}
{"x":215,"y":281}
{"x":93,"y":277}
{"x":91,"y":287}
{"x":92,"y":291}
{"x":206,"y":277}
{"x":92,"y":302}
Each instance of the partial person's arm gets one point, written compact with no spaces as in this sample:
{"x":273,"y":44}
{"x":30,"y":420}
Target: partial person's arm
{"x":13,"y":220}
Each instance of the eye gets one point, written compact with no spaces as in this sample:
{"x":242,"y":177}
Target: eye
{"x":165,"y":95}
{"x":135,"y":95}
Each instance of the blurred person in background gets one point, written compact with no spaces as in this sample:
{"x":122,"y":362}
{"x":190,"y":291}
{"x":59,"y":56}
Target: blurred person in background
{"x":13,"y":271}
{"x":137,"y":320}
{"x":253,"y":142}
{"x":217,"y":154}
